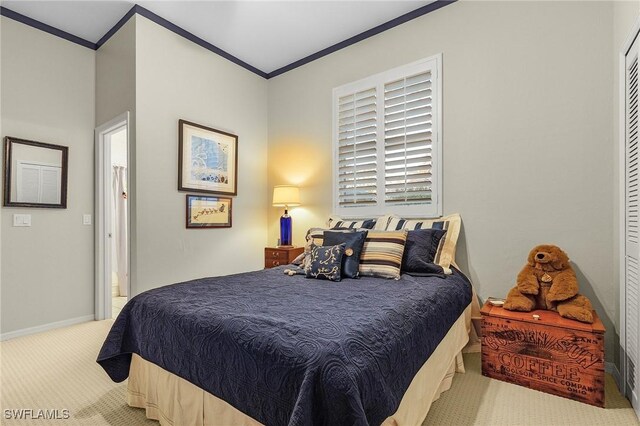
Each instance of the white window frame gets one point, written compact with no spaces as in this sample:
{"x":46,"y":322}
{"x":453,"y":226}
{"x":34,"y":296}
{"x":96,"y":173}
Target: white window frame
{"x":426,"y":210}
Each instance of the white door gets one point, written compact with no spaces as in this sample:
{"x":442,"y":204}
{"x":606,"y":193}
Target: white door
{"x":632,"y":227}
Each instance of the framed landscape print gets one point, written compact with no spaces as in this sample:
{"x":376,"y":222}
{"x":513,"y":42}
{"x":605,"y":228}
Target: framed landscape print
{"x":207,"y":160}
{"x":208,"y":212}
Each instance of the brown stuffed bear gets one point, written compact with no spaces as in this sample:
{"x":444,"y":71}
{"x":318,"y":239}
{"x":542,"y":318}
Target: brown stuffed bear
{"x":547,"y":281}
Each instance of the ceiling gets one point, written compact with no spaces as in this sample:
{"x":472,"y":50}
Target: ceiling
{"x":265,"y":34}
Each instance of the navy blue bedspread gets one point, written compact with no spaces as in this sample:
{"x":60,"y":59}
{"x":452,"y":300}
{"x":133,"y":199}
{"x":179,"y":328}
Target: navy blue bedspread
{"x":290,"y":350}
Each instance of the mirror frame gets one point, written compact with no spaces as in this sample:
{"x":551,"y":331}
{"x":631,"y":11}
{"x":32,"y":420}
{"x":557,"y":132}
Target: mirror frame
{"x":8,"y":145}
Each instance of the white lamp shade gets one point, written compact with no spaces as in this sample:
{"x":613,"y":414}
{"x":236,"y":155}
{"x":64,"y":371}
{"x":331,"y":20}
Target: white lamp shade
{"x":286,"y":195}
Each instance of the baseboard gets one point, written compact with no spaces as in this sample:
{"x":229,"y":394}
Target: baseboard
{"x":45,"y":327}
{"x":611,"y":368}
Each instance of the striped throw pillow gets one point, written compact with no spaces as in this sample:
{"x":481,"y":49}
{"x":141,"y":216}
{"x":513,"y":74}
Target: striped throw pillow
{"x":382,"y":254}
{"x":338,"y":222}
{"x":446,"y":253}
{"x":315,"y":236}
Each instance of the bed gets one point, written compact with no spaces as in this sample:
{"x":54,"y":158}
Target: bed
{"x":267,"y":348}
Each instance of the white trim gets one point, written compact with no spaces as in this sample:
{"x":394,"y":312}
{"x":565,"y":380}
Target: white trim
{"x":45,"y":327}
{"x":611,"y":368}
{"x":378,"y":81}
{"x":622,"y":107}
{"x":380,"y":106}
{"x":622,"y":219}
{"x":438,"y":135}
{"x":102,"y":225}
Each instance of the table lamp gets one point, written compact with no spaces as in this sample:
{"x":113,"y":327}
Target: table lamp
{"x":286,"y":196}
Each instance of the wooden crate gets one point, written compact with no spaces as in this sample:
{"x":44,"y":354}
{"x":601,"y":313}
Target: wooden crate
{"x":553,"y":354}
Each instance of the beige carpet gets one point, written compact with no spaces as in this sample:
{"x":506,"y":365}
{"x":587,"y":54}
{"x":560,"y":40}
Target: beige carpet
{"x":477,"y":400}
{"x":57,"y":370}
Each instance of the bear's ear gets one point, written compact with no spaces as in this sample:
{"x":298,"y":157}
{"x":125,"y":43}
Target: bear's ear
{"x":530,"y":261}
{"x":562,"y":260}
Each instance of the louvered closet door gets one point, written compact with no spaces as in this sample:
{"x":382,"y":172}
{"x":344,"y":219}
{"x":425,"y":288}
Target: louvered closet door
{"x":632,"y":229}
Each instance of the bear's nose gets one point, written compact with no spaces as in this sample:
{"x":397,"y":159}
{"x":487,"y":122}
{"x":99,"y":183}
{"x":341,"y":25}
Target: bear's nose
{"x":540,"y":255}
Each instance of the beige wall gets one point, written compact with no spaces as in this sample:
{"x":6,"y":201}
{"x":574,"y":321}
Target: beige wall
{"x":116,"y":74}
{"x":527,"y":112}
{"x":115,"y":95}
{"x":527,"y":119}
{"x":177,"y":79}
{"x":2,"y":156}
{"x":48,"y":89}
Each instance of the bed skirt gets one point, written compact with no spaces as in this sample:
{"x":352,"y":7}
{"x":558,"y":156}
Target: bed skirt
{"x":174,"y":401}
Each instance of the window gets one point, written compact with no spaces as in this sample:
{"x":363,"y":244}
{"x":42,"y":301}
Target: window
{"x":387,"y":144}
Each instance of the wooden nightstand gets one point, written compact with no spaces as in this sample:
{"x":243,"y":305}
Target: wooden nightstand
{"x":276,"y":256}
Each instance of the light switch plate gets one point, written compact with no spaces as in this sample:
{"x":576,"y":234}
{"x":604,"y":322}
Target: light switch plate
{"x":21,"y":220}
{"x":86,"y":219}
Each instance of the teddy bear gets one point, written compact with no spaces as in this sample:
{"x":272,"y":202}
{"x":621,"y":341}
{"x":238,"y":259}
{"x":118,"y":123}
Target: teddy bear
{"x":548,"y":281}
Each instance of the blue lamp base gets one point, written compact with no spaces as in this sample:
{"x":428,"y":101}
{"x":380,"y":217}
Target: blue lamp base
{"x":285,"y":229}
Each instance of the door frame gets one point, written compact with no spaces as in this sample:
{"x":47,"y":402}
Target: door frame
{"x":103,"y":214}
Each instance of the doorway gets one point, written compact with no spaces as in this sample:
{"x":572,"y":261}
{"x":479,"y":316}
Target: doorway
{"x":112,"y":217}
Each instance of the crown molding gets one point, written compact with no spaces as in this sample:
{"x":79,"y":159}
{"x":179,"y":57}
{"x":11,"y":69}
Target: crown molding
{"x":8,"y":13}
{"x":364,"y":35}
{"x":137,"y":9}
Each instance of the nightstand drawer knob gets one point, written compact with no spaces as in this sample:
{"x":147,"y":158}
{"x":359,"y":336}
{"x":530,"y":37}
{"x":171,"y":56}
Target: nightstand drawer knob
{"x":275,"y":263}
{"x":275,"y":254}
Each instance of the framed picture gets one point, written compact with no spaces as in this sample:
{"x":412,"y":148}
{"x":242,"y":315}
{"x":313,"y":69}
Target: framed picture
{"x":208,"y":212}
{"x":207,"y":160}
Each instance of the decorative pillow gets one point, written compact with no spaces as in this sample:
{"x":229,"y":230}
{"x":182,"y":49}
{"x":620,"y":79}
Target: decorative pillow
{"x":420,"y":250}
{"x":353,"y":248}
{"x":315,"y":236}
{"x":429,"y":270}
{"x":382,"y":254}
{"x":337,"y":222}
{"x":325,"y":262}
{"x":446,"y":253}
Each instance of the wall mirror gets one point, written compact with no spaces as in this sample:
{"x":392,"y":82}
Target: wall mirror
{"x":35,"y":174}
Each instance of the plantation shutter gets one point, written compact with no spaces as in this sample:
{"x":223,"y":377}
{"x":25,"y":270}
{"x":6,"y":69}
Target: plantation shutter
{"x":386,"y":144}
{"x":407,"y":140}
{"x":632,"y":230}
{"x":357,"y":150}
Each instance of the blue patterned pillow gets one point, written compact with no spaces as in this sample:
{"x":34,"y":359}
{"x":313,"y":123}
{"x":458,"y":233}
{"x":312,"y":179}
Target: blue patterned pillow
{"x":354,"y":241}
{"x":325,"y":262}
